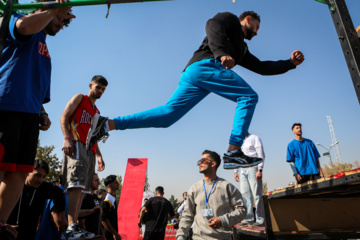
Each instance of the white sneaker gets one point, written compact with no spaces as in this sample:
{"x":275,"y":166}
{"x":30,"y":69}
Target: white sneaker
{"x":74,"y":232}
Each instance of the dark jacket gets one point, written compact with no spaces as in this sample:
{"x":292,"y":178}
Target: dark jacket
{"x":224,"y":36}
{"x":30,"y":206}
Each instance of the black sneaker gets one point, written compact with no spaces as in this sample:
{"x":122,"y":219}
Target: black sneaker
{"x":239,"y":160}
{"x":96,"y":131}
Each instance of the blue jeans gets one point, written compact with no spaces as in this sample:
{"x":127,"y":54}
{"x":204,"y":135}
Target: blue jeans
{"x":196,"y":82}
{"x":251,"y":191}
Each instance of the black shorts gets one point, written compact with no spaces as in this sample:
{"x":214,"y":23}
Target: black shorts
{"x":306,"y":178}
{"x":154,"y":235}
{"x":19,"y":133}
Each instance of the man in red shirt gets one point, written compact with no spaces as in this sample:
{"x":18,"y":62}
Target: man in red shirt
{"x":78,"y":165}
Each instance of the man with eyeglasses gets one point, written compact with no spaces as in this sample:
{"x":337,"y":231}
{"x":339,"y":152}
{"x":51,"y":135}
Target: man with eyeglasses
{"x":213,"y":204}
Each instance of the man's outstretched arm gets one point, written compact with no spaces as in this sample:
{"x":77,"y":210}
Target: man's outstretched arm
{"x":271,"y":67}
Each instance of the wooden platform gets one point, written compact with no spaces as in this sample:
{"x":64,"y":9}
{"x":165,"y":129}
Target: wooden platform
{"x":323,"y":209}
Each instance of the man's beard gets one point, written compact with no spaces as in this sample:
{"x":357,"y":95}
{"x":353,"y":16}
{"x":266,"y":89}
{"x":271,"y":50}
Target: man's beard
{"x":94,"y":95}
{"x":249,"y":33}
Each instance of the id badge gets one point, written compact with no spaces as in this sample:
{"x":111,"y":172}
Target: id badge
{"x":207,"y":212}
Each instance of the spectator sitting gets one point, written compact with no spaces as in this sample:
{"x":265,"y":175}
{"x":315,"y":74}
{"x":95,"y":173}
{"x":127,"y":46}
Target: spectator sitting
{"x":47,"y":228}
{"x":25,"y":215}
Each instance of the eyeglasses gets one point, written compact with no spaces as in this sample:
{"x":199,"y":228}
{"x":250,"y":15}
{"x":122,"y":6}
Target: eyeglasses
{"x":203,"y":160}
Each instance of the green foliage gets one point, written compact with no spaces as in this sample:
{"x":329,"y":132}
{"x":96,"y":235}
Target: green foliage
{"x":265,"y":188}
{"x":45,"y":153}
{"x":335,"y":168}
{"x":173,"y":201}
{"x":146,"y":185}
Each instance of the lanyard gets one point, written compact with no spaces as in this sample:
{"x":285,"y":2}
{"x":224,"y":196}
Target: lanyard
{"x":207,"y":196}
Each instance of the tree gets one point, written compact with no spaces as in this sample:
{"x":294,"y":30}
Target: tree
{"x":45,"y":153}
{"x":265,"y":188}
{"x":335,"y":168}
{"x":173,"y":201}
{"x":146,"y":185}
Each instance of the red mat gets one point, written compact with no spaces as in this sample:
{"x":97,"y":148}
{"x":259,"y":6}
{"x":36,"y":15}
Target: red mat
{"x":131,"y":198}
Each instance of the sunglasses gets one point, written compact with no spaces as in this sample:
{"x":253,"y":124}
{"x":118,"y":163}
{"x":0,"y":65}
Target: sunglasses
{"x":203,"y":160}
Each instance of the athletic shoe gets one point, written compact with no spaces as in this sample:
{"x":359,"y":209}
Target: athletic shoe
{"x":239,"y":160}
{"x":88,"y":235}
{"x":96,"y":131}
{"x":74,"y":232}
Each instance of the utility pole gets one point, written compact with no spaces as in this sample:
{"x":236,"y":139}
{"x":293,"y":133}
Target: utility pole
{"x":333,"y":139}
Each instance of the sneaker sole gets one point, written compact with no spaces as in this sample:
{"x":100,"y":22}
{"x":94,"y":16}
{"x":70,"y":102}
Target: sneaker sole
{"x":75,"y":238}
{"x":237,"y":165}
{"x":88,"y":237}
{"x":94,"y":122}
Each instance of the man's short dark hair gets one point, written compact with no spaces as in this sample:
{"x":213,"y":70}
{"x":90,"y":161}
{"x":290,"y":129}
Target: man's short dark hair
{"x":184,"y":193}
{"x":100,"y":191}
{"x":41,"y":164}
{"x":295,"y":124}
{"x":109,"y":179}
{"x":252,"y":14}
{"x":214,"y":156}
{"x":160,"y":190}
{"x":99,"y":79}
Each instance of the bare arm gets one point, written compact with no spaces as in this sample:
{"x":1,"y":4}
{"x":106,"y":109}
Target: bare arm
{"x":319,"y":168}
{"x":87,"y":212}
{"x":36,"y":22}
{"x":45,"y":122}
{"x":59,"y":220}
{"x":107,"y":225}
{"x":236,"y":176}
{"x":100,"y":160}
{"x":141,"y":215}
{"x":68,"y":145}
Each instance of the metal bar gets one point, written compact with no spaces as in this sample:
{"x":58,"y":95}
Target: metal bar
{"x":268,"y":224}
{"x":73,"y":3}
{"x":349,"y":41}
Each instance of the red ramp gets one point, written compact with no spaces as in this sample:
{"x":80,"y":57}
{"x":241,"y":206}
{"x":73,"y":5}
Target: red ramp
{"x":131,"y":198}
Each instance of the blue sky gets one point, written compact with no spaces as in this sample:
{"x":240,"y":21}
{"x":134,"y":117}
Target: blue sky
{"x":142,"y":49}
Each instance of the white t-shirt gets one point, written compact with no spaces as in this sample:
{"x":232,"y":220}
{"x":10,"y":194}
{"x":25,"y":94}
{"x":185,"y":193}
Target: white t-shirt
{"x":252,"y":147}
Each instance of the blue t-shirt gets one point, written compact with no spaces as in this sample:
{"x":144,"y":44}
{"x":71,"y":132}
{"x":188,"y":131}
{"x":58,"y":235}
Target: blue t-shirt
{"x":47,"y":229}
{"x":25,"y":70}
{"x":304,"y":154}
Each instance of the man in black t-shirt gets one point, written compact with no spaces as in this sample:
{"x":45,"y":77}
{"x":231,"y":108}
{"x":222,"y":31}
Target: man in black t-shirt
{"x":109,"y":218}
{"x":89,"y":215}
{"x":158,"y":210}
{"x":28,"y":209}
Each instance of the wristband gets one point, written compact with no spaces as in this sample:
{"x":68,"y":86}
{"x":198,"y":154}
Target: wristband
{"x":43,"y":112}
